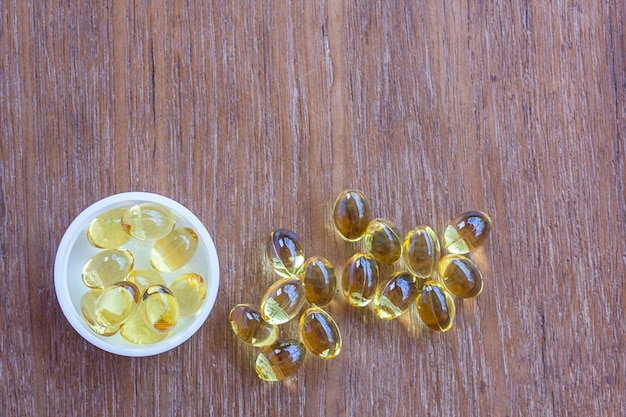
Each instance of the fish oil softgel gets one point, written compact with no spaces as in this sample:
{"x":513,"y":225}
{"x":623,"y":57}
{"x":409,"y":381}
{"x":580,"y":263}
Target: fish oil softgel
{"x":466,"y":232}
{"x":320,"y":283}
{"x":190,"y":291}
{"x":136,"y":330}
{"x":319,"y":333}
{"x":351,"y":215}
{"x":143,"y":278}
{"x":383,"y":241}
{"x":280,"y":360}
{"x":115,"y":304}
{"x":148,"y":221}
{"x":283,"y":300}
{"x":88,"y":308}
{"x":107,"y":267}
{"x":250,"y":327}
{"x":159,"y":308}
{"x":460,"y":276}
{"x":106,"y":231}
{"x":421,"y":251}
{"x":359,"y":279}
{"x":285,"y":252}
{"x":174,"y":250}
{"x":435,"y":307}
{"x":396,"y":295}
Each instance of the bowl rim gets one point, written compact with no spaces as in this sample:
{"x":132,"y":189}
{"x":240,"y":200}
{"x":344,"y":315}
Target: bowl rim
{"x":79,"y":226}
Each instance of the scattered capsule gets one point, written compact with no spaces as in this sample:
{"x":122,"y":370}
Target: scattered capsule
{"x":107,"y":267}
{"x":396,"y":295}
{"x":351,"y":214}
{"x":285,"y":252}
{"x":280,"y":360}
{"x":190,"y":291}
{"x":174,"y":250}
{"x":283,"y":300}
{"x":359,"y":279}
{"x":320,"y":283}
{"x":421,"y":251}
{"x":116,"y":304}
{"x":383,"y":241}
{"x":460,"y":275}
{"x":106,"y":231}
{"x":466,"y":232}
{"x":143,"y":278}
{"x":148,"y":221}
{"x":159,"y":308}
{"x":319,"y":333}
{"x":88,"y":307}
{"x":250,"y":327}
{"x":435,"y":306}
{"x":137,"y":331}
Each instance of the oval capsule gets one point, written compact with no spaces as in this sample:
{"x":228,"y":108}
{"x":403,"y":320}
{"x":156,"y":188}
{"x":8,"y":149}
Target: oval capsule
{"x":88,"y":308}
{"x":280,"y":360}
{"x":174,"y":250}
{"x":435,"y":306}
{"x":383,"y":241}
{"x":116,"y":304}
{"x":285,"y":252}
{"x":320,"y":283}
{"x":351,"y":215}
{"x":107,"y":267}
{"x":421,"y":251}
{"x":467,"y":232}
{"x":249,"y":326}
{"x":460,"y":275}
{"x":106,"y":231}
{"x":190,"y":291}
{"x":283,"y":300}
{"x":359,"y":279}
{"x":143,"y":278}
{"x":159,"y":308}
{"x":148,"y":221}
{"x":137,"y":331}
{"x":319,"y":333}
{"x":396,"y":295}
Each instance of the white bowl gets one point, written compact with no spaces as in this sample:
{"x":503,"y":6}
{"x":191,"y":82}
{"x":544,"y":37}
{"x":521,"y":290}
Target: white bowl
{"x":74,"y":251}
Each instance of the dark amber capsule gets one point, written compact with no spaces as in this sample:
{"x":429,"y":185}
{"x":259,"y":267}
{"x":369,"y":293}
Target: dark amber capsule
{"x":396,"y":295}
{"x":466,"y":232}
{"x":460,"y":276}
{"x":283,"y":300}
{"x":351,"y":214}
{"x":319,"y":333}
{"x":383,"y":241}
{"x":359,"y":279}
{"x":285,"y":252}
{"x":435,"y":306}
{"x":250,"y":327}
{"x":280,"y":360}
{"x":320,"y":283}
{"x":421,"y":251}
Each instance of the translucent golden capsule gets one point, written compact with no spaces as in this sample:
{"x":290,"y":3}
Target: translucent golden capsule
{"x":435,"y":306}
{"x":285,"y":252}
{"x":283,"y":300}
{"x":351,"y":214}
{"x":106,"y":231}
{"x":190,"y":291}
{"x":143,"y":278}
{"x":159,"y":308}
{"x":396,"y":295}
{"x":467,"y":232}
{"x":250,"y":327}
{"x":383,"y":241}
{"x":137,"y":331}
{"x":88,"y":307}
{"x":421,"y":251}
{"x":107,"y":267}
{"x":320,"y":283}
{"x":319,"y":333}
{"x":460,"y":276}
{"x":280,"y":360}
{"x":148,"y":221}
{"x":116,"y":304}
{"x":174,"y":250}
{"x":359,"y":279}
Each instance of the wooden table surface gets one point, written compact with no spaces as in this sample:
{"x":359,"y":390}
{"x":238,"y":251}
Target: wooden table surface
{"x":255,"y":115}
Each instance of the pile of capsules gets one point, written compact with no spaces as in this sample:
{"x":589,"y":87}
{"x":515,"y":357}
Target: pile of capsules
{"x":140,"y":304}
{"x":313,"y":281}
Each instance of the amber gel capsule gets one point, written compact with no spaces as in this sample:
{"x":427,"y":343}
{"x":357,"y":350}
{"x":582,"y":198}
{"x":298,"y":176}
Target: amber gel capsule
{"x":137,"y":331}
{"x":143,"y":278}
{"x":190,"y":291}
{"x":106,"y":231}
{"x":320,"y":283}
{"x":159,"y":308}
{"x":250,"y":327}
{"x":460,"y":275}
{"x":107,"y":267}
{"x":396,"y":295}
{"x":285,"y":252}
{"x":174,"y":250}
{"x":421,"y":251}
{"x":283,"y":300}
{"x":383,"y":241}
{"x":88,"y":307}
{"x":319,"y":333}
{"x":148,"y":221}
{"x":280,"y":360}
{"x":116,"y":304}
{"x":359,"y":279}
{"x":467,"y":232}
{"x":435,"y":306}
{"x":351,"y":214}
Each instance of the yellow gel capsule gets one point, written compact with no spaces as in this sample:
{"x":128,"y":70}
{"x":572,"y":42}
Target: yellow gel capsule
{"x":148,"y":221}
{"x":359,"y":279}
{"x":250,"y":327}
{"x":159,"y":308}
{"x":351,"y":215}
{"x":396,"y":295}
{"x":421,"y":251}
{"x":460,"y":276}
{"x":190,"y":291}
{"x":285,"y":252}
{"x":174,"y":250}
{"x":320,"y":283}
{"x":106,"y":231}
{"x":467,"y":232}
{"x":88,"y":308}
{"x":383,"y":241}
{"x":137,"y":331}
{"x":319,"y":333}
{"x":143,"y":278}
{"x":283,"y":300}
{"x":116,"y":303}
{"x":435,"y":306}
{"x":280,"y":360}
{"x":107,"y":267}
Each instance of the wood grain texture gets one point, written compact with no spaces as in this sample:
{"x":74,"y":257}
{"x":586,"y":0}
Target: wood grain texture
{"x":255,"y":115}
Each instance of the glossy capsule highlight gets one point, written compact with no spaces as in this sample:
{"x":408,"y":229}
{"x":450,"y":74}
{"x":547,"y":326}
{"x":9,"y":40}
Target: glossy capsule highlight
{"x":148,"y":221}
{"x":359,"y":279}
{"x":190,"y":291}
{"x":383,"y":241}
{"x":320,"y":282}
{"x":351,"y":215}
{"x":396,"y":295}
{"x":174,"y":250}
{"x":319,"y":333}
{"x":143,"y":278}
{"x":285,"y":252}
{"x":435,"y":307}
{"x":116,"y":304}
{"x":460,"y":275}
{"x":421,"y":251}
{"x":159,"y":308}
{"x":106,"y":231}
{"x":283,"y":300}
{"x":467,"y":232}
{"x":107,"y":267}
{"x":249,"y":326}
{"x":280,"y":360}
